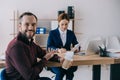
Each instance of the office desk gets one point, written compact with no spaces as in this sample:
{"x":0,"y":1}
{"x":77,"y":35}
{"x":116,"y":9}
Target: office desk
{"x":82,"y":60}
{"x":94,"y":60}
{"x":2,"y":64}
{"x":85,"y":60}
{"x":89,"y":60}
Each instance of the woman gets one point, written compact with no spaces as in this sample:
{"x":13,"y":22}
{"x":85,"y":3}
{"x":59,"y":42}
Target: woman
{"x":61,"y":39}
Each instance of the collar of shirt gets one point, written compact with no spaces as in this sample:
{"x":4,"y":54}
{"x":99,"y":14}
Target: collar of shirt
{"x":63,"y":36}
{"x":61,"y":32}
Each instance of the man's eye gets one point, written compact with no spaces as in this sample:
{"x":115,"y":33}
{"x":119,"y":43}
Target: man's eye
{"x":33,"y":24}
{"x":26,"y":24}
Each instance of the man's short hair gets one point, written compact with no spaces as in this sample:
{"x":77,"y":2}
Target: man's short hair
{"x":28,"y":14}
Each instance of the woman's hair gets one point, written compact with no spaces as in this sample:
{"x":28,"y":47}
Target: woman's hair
{"x":63,"y":16}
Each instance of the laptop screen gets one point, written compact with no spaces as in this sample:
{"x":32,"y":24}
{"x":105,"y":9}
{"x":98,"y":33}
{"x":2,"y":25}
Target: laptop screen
{"x":93,"y":47}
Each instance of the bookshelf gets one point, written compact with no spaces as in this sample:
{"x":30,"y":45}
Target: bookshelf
{"x":39,"y":39}
{"x":15,"y":22}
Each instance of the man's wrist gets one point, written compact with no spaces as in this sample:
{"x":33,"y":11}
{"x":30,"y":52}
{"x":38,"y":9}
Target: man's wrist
{"x":44,"y":58}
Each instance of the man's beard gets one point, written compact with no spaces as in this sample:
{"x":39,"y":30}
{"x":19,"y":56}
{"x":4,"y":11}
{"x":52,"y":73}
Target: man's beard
{"x":29,"y":36}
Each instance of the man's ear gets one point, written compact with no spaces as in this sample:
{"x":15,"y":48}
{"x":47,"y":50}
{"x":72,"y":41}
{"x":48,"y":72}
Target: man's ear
{"x":19,"y":26}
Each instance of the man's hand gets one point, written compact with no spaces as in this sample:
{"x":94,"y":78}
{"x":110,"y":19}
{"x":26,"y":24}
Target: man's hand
{"x":49,"y":55}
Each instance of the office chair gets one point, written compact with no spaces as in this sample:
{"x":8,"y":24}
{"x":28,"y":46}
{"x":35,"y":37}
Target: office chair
{"x":3,"y":74}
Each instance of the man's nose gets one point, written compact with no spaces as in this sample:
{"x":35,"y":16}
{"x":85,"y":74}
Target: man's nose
{"x":30,"y":27}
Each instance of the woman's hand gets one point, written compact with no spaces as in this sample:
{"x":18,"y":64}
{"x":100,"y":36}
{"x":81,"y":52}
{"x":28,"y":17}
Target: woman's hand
{"x":61,"y":60}
{"x":78,"y":50}
{"x":62,"y":50}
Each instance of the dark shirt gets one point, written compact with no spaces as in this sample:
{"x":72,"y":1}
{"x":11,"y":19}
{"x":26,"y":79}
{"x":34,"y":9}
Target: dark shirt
{"x":21,"y":59}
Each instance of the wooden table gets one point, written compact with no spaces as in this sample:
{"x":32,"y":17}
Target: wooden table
{"x":89,"y":60}
{"x":83,"y":60}
{"x":2,"y":64}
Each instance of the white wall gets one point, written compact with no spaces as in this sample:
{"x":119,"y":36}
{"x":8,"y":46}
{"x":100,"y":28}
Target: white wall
{"x":99,"y":17}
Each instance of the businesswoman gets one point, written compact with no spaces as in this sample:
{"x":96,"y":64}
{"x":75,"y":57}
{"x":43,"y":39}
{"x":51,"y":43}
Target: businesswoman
{"x":62,"y":39}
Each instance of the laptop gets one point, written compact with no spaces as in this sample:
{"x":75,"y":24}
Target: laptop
{"x":92,"y":47}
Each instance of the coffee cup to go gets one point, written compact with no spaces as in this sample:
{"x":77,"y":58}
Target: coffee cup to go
{"x":68,"y":59}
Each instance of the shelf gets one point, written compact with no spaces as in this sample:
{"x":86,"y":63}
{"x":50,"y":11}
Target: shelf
{"x":78,"y":33}
{"x":56,"y":19}
{"x":13,"y":19}
{"x":41,"y":34}
{"x":13,"y":34}
{"x":41,"y":39}
{"x":45,"y":19}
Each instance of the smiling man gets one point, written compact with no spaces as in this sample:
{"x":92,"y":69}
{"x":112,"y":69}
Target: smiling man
{"x":22,"y":52}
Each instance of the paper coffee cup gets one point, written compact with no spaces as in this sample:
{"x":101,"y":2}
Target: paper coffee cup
{"x":68,"y":59}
